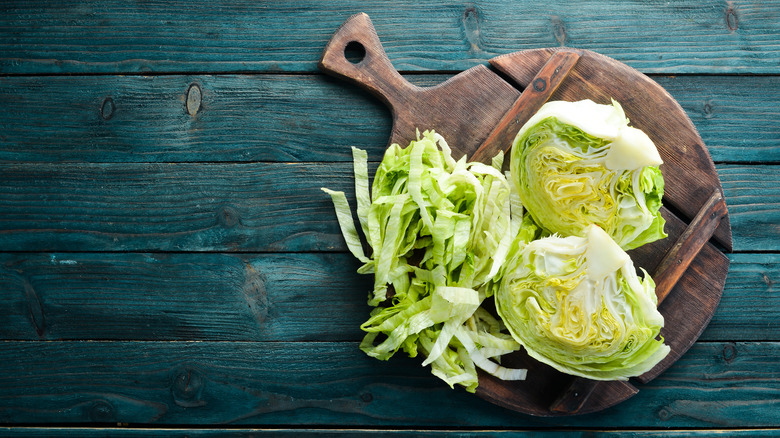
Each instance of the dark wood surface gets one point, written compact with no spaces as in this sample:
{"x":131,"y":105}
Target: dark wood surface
{"x":165,"y":260}
{"x":546,"y":81}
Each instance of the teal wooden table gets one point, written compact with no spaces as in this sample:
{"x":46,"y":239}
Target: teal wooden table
{"x":169,"y":267}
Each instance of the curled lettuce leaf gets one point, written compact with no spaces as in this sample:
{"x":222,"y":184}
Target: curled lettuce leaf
{"x":440,"y":231}
{"x":579,"y":163}
{"x":577,"y":304}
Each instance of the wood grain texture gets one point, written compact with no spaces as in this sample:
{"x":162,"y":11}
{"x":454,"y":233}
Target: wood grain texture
{"x":204,"y":296}
{"x":259,"y":297}
{"x":171,"y":207}
{"x":698,"y":232}
{"x":237,"y":432}
{"x":716,"y":385}
{"x":734,"y":115}
{"x":145,"y":119}
{"x":245,"y":207}
{"x":544,"y":84}
{"x":750,"y":299}
{"x":291,"y":118}
{"x":752,"y":211}
{"x":225,"y":249}
{"x":116,"y":37}
{"x":541,"y":395}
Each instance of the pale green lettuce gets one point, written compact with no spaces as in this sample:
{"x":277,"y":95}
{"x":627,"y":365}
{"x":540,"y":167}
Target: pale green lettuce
{"x":577,"y":304}
{"x":579,"y":163}
{"x":439,"y":231}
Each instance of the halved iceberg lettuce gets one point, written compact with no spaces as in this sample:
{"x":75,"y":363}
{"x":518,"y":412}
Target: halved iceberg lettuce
{"x":577,"y":304}
{"x":579,"y":163}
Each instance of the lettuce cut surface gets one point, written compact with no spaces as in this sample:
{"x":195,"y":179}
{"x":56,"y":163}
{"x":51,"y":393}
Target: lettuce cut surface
{"x":579,"y":163}
{"x":439,"y":231}
{"x":577,"y":304}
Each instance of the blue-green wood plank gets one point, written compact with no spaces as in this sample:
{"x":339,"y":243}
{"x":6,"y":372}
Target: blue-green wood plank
{"x":170,"y":207}
{"x":735,"y":115}
{"x":146,"y":119}
{"x":120,"y":432}
{"x":262,"y":297}
{"x":749,"y":308}
{"x":752,"y":197}
{"x":715,"y":385}
{"x":295,"y":118}
{"x":246,"y":207}
{"x":692,"y":36}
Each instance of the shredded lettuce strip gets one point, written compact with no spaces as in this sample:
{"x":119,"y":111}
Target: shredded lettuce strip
{"x":440,"y":231}
{"x":577,"y":304}
{"x":579,"y":163}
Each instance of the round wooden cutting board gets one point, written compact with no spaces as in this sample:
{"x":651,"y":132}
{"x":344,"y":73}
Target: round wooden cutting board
{"x":468,"y":106}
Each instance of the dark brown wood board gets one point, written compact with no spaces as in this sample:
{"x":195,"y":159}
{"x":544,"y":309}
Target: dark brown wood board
{"x":465,"y":110}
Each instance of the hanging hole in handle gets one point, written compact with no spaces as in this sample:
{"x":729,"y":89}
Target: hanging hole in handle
{"x":354,"y":52}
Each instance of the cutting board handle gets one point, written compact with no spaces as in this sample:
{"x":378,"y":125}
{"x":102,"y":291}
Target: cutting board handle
{"x":373,"y":70}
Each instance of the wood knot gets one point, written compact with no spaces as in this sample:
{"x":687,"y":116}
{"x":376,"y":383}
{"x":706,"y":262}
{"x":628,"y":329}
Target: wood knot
{"x":540,"y":85}
{"x":34,"y":308}
{"x":729,"y":353}
{"x":228,"y":217}
{"x":101,"y":412}
{"x":107,"y":108}
{"x":255,"y":294}
{"x":187,"y":388}
{"x":768,"y":281}
{"x":471,"y":31}
{"x":708,"y":108}
{"x":558,"y":29}
{"x":194,"y":97}
{"x":732,"y":21}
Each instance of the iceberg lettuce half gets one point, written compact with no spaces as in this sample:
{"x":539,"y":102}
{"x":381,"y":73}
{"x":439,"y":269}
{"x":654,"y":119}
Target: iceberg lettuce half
{"x":579,"y":163}
{"x":577,"y":304}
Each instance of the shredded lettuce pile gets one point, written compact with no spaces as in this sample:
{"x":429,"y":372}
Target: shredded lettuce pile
{"x":577,"y":304}
{"x":579,"y":163}
{"x":439,"y":231}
